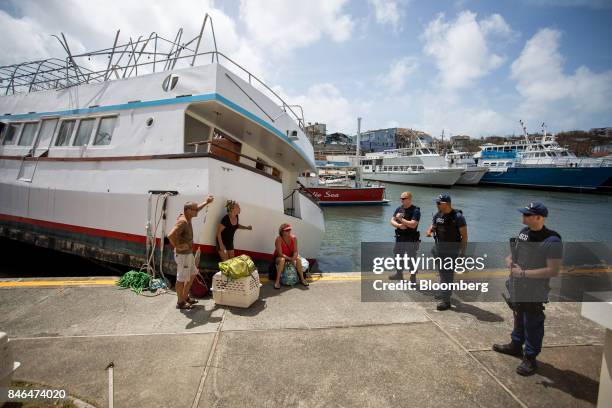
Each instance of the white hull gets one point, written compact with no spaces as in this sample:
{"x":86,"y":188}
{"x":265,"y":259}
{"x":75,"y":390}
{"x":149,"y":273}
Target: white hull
{"x":471,"y":176}
{"x":100,"y":199}
{"x":433,"y":177}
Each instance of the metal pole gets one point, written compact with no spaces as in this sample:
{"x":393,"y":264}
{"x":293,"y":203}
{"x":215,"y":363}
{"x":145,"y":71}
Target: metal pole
{"x":357,"y":148}
{"x":195,"y":53}
{"x":110,"y":59}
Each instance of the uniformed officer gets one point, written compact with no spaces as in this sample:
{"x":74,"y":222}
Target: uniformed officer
{"x":449,"y":230}
{"x":405,"y":220}
{"x":535,"y":257}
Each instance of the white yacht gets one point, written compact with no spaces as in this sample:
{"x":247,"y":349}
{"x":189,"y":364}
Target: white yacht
{"x":94,"y":161}
{"x":472,"y":173}
{"x":413,"y":165}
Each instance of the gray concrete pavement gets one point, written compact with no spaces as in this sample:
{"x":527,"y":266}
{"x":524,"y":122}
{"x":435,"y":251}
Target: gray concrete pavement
{"x":295,"y":347}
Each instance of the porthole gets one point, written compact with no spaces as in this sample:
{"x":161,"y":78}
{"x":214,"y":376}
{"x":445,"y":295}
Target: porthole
{"x":170,"y":82}
{"x":149,"y":122}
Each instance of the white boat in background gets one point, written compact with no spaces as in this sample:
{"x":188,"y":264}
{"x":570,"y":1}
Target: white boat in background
{"x":91,"y":159}
{"x":472,"y":174}
{"x":412,"y":165}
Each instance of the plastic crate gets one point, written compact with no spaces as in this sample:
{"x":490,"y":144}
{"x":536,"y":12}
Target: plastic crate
{"x":241,"y":292}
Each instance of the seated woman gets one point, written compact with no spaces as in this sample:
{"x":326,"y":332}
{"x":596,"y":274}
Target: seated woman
{"x":226,"y":230}
{"x":286,"y":250}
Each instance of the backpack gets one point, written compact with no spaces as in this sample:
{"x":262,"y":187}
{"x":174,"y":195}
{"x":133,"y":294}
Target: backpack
{"x":290,"y":275}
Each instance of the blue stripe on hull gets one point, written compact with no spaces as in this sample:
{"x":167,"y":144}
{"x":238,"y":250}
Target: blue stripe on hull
{"x":573,"y":178}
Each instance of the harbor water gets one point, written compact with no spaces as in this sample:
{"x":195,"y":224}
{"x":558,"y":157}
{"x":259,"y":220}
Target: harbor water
{"x":491,"y":214}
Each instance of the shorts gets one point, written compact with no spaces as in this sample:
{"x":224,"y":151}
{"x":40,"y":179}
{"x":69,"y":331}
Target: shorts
{"x":229,"y":246}
{"x":185,"y":267}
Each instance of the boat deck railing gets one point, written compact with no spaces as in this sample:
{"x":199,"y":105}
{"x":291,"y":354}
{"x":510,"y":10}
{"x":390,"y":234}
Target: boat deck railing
{"x":566,"y":162}
{"x":140,"y":56}
{"x":256,"y":164}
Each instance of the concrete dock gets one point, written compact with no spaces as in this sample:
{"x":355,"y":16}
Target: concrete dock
{"x":296,"y":347}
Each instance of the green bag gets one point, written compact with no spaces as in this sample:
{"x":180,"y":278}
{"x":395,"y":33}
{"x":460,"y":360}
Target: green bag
{"x":238,"y":267}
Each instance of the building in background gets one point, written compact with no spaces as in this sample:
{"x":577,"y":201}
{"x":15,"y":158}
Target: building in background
{"x":316,"y":132}
{"x":606,"y":131}
{"x":460,"y":142}
{"x":338,"y":138}
{"x":377,"y":140}
{"x":392,"y":138}
{"x":602,"y":150}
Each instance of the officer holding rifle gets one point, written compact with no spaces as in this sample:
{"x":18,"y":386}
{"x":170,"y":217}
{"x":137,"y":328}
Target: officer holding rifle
{"x":535,"y":257}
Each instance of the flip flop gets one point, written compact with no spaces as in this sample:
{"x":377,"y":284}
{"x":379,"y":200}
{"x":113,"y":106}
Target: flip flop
{"x":305,"y":283}
{"x":192,"y":301}
{"x":277,"y":286}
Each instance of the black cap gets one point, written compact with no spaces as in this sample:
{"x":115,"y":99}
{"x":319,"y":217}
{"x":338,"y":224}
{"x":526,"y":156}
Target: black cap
{"x":535,"y":209}
{"x":443,"y":198}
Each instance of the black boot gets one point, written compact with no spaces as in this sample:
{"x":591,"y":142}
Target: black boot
{"x":528,"y":366}
{"x":512,"y":349}
{"x":413,"y":280}
{"x":443,"y":305}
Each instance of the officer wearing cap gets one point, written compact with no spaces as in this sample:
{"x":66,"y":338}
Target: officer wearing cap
{"x":449,"y":230}
{"x":406,"y":219}
{"x":535,"y":257}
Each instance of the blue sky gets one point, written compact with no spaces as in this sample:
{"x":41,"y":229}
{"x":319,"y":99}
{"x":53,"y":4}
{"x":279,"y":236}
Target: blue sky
{"x":469,"y":67}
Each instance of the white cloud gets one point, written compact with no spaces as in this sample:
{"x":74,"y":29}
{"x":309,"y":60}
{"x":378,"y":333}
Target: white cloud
{"x":386,"y":12}
{"x":549,"y":94}
{"x":399,"y":71}
{"x":325,"y":103}
{"x":282,"y":26}
{"x":92,"y":25}
{"x":495,"y":24}
{"x":461,"y":47}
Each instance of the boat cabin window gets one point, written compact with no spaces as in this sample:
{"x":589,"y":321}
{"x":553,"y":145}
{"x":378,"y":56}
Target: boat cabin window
{"x":564,"y":154}
{"x":83,"y":133}
{"x":28,"y":133}
{"x":47,"y":129}
{"x":65,"y":133}
{"x":11,"y":133}
{"x":105,"y":131}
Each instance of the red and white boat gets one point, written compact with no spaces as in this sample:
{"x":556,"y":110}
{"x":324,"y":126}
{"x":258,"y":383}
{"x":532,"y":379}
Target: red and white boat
{"x":335,"y":186}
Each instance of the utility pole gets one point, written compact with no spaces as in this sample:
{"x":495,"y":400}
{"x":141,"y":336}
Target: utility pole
{"x":357,"y":148}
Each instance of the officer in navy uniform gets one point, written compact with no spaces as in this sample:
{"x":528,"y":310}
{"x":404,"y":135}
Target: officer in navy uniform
{"x":405,"y":220}
{"x":536,"y":256}
{"x":449,"y":230}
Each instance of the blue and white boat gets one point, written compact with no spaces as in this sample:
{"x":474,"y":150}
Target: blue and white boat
{"x":543,"y":164}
